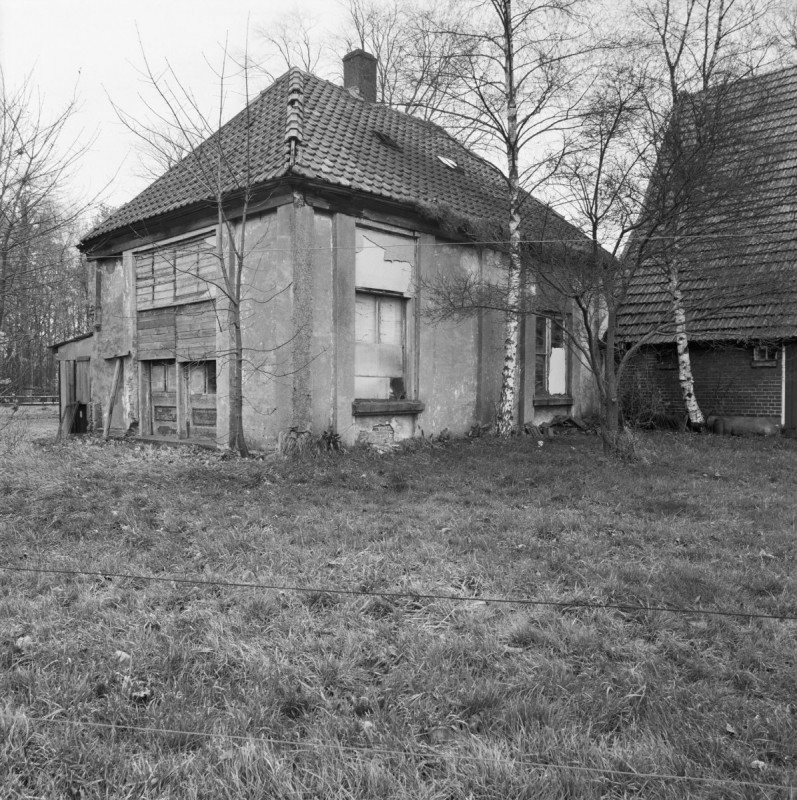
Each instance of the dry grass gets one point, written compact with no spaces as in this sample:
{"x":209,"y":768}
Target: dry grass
{"x":276,"y":693}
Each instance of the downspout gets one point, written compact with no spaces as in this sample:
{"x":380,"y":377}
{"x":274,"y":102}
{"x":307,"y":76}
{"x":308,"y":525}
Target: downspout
{"x":783,"y":385}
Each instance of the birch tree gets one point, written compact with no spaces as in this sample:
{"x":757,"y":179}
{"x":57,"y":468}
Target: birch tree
{"x":702,"y":47}
{"x":513,"y":61}
{"x":653,"y":159}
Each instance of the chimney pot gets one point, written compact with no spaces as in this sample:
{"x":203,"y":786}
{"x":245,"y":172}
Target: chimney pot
{"x":359,"y":73}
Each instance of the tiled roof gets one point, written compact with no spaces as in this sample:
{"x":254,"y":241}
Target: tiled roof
{"x":738,"y":258}
{"x":308,"y":127}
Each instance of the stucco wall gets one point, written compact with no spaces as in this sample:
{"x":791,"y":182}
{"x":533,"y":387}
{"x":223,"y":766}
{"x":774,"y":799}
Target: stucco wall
{"x":304,"y":265}
{"x":114,"y":337}
{"x":266,"y":318}
{"x":298,"y":320}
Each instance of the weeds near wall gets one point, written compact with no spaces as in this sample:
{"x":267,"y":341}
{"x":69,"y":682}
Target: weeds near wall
{"x":330,"y":442}
{"x":296,"y":442}
{"x":642,"y":404}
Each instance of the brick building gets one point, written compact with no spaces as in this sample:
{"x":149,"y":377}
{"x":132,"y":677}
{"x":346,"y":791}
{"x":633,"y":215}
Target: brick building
{"x":738,"y":262}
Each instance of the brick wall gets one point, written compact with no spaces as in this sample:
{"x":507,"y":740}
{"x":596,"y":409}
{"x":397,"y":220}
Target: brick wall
{"x":726,"y":381}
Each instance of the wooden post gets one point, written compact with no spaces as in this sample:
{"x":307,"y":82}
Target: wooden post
{"x":117,"y":376}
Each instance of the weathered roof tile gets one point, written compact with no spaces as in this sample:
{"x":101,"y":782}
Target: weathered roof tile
{"x":739,"y":261}
{"x":331,"y":133}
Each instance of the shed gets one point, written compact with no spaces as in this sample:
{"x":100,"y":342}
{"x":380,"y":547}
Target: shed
{"x":74,"y":382}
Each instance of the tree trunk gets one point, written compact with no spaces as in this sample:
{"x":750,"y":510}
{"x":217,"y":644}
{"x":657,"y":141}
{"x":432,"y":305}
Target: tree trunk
{"x":610,"y":424}
{"x":685,"y":379}
{"x":237,"y":439}
{"x":506,"y":406}
{"x":231,"y":268}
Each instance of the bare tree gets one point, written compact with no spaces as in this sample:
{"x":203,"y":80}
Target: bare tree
{"x":785,"y":31}
{"x":655,"y":160}
{"x":38,"y":274}
{"x":294,"y":40}
{"x":703,"y":47}
{"x":411,"y":51}
{"x":178,"y":124}
{"x":508,"y":74}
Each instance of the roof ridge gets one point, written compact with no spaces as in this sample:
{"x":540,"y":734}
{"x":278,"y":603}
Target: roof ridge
{"x":294,"y":122}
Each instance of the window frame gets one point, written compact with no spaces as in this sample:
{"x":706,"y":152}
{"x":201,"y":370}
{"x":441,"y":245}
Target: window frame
{"x":404,"y":304}
{"x":554,"y":322}
{"x":765,"y":355}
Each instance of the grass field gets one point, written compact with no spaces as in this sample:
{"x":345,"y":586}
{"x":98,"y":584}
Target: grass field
{"x":151,"y":676}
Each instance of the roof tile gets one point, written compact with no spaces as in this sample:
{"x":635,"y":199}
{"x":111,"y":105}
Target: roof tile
{"x":739,"y":262}
{"x":333,"y":135}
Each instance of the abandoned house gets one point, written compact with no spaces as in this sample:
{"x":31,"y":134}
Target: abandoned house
{"x":737,"y":258}
{"x":351,"y":209}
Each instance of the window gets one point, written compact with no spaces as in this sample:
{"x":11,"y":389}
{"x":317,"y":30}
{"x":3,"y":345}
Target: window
{"x":550,"y":375}
{"x":379,"y":346}
{"x":765,"y":353}
{"x":162,"y":376}
{"x":384,"y":267}
{"x":181,"y":272}
{"x":667,"y":357}
{"x":202,"y":377}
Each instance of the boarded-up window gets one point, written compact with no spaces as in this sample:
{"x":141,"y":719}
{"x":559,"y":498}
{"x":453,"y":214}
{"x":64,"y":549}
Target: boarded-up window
{"x":379,"y":347}
{"x":185,"y":332}
{"x":181,"y":272}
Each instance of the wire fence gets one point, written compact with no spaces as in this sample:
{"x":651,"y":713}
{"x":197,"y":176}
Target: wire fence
{"x":423,"y":751}
{"x":420,"y":752}
{"x":393,"y":594}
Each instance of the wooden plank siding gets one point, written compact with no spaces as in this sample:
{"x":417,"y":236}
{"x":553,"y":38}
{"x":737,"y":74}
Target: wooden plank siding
{"x":187,"y":333}
{"x":196,"y":327}
{"x":83,"y":381}
{"x":177,"y":273}
{"x":157,"y":338}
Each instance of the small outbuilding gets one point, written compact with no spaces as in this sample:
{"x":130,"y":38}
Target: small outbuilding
{"x":73,"y":357}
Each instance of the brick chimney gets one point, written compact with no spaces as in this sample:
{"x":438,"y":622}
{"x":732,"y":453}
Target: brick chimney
{"x":359,"y":74}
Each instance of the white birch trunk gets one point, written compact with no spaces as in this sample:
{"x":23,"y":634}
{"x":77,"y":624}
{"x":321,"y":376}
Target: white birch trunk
{"x":506,"y":405}
{"x":685,"y":378}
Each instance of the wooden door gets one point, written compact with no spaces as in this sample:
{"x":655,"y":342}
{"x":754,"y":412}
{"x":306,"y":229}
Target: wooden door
{"x":201,"y":399}
{"x":66,"y":393}
{"x":791,"y":390}
{"x":163,"y":397}
{"x":83,"y":381}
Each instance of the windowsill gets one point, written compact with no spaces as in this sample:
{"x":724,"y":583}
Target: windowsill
{"x":759,"y":364}
{"x":553,"y":400}
{"x":373,"y":408}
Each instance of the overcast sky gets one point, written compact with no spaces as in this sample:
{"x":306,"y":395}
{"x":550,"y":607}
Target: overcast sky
{"x":91,"y":48}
